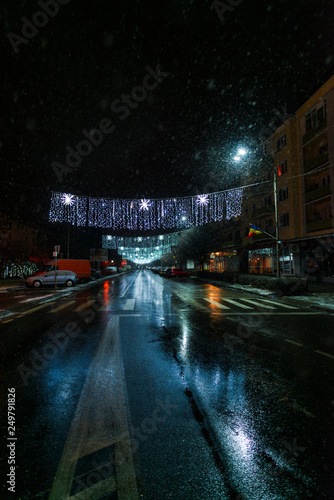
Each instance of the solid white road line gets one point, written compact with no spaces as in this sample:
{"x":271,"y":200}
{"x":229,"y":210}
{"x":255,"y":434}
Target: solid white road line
{"x":34,"y":309}
{"x":84,"y":306}
{"x":127,"y":288}
{"x":94,"y":491}
{"x":325,"y":354}
{"x":63,"y":306}
{"x":217,"y":304}
{"x":130,"y":305}
{"x":293,"y":342}
{"x":100,"y":420}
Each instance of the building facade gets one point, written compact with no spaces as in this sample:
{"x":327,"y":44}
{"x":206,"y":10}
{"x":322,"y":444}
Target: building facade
{"x":316,"y":142}
{"x":298,"y":166}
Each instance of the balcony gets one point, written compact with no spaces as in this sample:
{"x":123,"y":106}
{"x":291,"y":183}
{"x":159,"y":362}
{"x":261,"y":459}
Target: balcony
{"x":314,"y":131}
{"x":316,"y":162}
{"x":315,"y":194}
{"x":261,"y":211}
{"x":319,"y":225}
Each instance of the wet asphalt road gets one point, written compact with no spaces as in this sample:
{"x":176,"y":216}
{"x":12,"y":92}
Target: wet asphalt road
{"x":142,"y":387}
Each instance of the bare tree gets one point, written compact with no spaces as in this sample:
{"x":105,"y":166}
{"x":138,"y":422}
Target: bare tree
{"x":198,"y":242}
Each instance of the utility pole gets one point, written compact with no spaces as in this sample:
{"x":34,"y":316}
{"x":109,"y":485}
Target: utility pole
{"x":276,"y":221}
{"x":68,"y":239}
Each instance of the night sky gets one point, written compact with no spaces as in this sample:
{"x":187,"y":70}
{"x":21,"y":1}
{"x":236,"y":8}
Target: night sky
{"x":225,"y":77}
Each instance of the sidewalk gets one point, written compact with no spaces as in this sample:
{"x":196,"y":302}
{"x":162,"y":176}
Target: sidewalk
{"x":11,"y":284}
{"x":320,"y":295}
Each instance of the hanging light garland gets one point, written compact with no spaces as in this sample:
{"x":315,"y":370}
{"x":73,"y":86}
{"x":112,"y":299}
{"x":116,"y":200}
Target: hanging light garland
{"x":145,"y":214}
{"x":141,"y":250}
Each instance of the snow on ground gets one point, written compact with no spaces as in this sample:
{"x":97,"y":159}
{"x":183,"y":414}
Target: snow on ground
{"x":318,"y":299}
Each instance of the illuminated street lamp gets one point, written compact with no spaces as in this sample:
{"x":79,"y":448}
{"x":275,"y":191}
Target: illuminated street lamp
{"x":240,"y":153}
{"x":68,"y":200}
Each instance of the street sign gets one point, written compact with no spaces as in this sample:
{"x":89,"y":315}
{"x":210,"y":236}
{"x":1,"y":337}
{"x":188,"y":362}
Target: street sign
{"x":54,"y":254}
{"x":57,"y":249}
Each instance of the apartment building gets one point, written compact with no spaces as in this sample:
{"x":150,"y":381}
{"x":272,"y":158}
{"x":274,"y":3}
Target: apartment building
{"x":316,"y":142}
{"x":300,"y":157}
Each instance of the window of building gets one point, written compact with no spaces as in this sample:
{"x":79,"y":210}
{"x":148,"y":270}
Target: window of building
{"x":311,"y":120}
{"x":254,"y":207}
{"x":316,"y":117}
{"x":268,"y":224}
{"x":268,"y":201}
{"x":237,"y":234}
{"x":246,"y":230}
{"x":282,"y":168}
{"x":326,"y":212}
{"x":283,"y":194}
{"x":281,"y":143}
{"x":284,"y":220}
{"x":323,"y":149}
{"x":321,"y":113}
{"x":229,"y":237}
{"x":325,"y":181}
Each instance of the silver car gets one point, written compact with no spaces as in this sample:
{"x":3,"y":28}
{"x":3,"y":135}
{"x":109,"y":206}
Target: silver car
{"x":67,"y":278}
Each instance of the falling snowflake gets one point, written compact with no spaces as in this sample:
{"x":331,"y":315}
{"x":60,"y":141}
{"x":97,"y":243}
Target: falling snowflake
{"x":202,"y":199}
{"x":68,"y":199}
{"x":144,"y":204}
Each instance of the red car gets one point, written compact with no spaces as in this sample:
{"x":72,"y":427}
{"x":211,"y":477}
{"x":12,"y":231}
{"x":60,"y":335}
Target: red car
{"x":176,"y":272}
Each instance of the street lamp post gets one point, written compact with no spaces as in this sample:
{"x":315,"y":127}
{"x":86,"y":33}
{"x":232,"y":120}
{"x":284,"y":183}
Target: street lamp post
{"x":68,"y":201}
{"x":238,"y":157}
{"x":68,"y":237}
{"x":276,"y":222}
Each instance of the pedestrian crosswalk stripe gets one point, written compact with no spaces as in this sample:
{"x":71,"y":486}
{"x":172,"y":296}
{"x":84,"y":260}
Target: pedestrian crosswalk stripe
{"x":217,"y":304}
{"x":258,"y":304}
{"x":85,"y":305}
{"x":294,"y":342}
{"x":281,"y":304}
{"x":63,"y":306}
{"x":231,"y":301}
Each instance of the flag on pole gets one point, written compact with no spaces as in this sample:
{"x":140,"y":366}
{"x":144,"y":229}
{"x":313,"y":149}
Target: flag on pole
{"x":254,"y":230}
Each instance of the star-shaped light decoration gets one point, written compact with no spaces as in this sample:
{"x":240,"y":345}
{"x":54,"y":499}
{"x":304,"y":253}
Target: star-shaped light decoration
{"x":144,"y":204}
{"x":68,"y":199}
{"x":140,"y":238}
{"x":202,"y":199}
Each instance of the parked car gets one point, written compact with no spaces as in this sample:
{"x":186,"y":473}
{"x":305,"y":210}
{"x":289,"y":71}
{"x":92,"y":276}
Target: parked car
{"x":67,"y":278}
{"x":110,"y":270}
{"x":37,"y":273}
{"x":96,"y":274}
{"x":176,"y":272}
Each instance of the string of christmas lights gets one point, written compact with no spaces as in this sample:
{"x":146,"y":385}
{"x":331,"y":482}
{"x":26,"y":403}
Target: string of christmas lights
{"x":141,"y":250}
{"x":145,"y":214}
